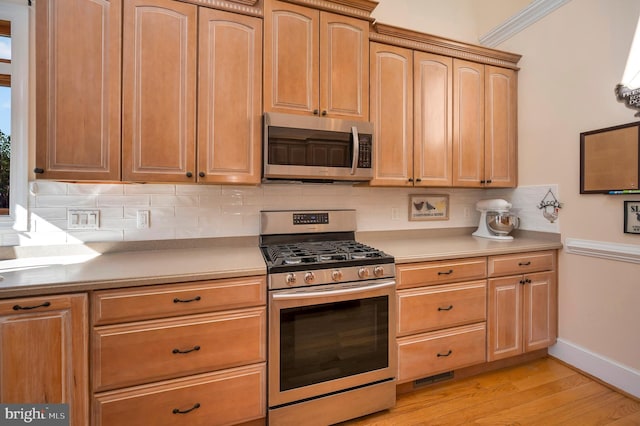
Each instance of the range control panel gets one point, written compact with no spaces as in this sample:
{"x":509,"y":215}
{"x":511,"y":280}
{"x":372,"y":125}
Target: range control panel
{"x":310,"y":218}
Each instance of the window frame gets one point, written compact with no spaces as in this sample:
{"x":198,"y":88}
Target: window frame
{"x":18,"y":14}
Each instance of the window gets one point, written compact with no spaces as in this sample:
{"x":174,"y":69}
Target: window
{"x":5,"y":117}
{"x":14,"y":96}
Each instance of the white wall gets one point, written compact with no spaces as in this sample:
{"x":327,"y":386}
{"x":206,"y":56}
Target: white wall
{"x":572,"y":60}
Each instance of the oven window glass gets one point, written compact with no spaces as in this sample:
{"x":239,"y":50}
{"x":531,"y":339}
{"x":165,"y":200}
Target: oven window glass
{"x":329,"y":341}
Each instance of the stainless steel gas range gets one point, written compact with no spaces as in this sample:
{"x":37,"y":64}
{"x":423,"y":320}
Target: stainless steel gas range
{"x":332,"y":353}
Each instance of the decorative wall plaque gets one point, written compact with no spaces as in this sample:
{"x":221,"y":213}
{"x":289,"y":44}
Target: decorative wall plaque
{"x":630,"y":97}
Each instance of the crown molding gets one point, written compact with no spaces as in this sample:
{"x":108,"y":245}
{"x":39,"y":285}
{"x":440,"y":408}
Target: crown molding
{"x":403,"y":37}
{"x":535,"y":11}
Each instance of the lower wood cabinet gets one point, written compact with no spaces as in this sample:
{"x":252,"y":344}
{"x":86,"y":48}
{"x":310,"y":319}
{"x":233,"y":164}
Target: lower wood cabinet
{"x":441,"y":317}
{"x":440,"y":351}
{"x":43,"y":353}
{"x":522,"y":304}
{"x":191,"y":353}
{"x":220,"y":398}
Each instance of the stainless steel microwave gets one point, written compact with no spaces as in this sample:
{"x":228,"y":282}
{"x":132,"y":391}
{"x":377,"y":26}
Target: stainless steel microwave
{"x":306,"y":148}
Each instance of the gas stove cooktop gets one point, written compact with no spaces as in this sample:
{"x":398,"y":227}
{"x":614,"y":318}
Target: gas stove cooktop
{"x":321,"y":254}
{"x":303,"y":248}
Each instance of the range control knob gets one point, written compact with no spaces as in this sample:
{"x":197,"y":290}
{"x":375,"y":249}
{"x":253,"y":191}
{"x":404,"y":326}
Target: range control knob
{"x":378,"y":271}
{"x":363,"y":273}
{"x":309,"y":277}
{"x":336,"y":275}
{"x":290,"y":279}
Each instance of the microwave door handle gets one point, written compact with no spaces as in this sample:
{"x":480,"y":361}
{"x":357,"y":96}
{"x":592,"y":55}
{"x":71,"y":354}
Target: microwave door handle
{"x":356,"y":149}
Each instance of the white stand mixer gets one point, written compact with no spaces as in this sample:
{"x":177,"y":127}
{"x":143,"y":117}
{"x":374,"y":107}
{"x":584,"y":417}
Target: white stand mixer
{"x":495,"y":220}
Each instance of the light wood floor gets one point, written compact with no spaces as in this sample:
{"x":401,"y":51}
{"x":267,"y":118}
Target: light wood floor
{"x":541,"y":392}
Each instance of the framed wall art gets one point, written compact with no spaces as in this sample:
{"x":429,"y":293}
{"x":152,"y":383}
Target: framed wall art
{"x":429,"y":207}
{"x":632,"y":217}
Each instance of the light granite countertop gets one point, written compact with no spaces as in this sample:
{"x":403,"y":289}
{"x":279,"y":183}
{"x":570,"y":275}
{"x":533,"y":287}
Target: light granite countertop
{"x":31,"y":272}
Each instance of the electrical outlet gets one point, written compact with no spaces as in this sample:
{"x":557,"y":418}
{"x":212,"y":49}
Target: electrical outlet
{"x":143,"y":219}
{"x":467,"y":212}
{"x":395,"y":213}
{"x":83,"y":219}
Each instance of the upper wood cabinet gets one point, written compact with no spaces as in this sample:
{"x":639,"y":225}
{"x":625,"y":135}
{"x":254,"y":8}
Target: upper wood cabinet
{"x":190,"y":78}
{"x":223,"y":52}
{"x":229,"y":98}
{"x":411,"y":111}
{"x":44,"y":353}
{"x":392,"y":114}
{"x":463,"y":113}
{"x":433,"y":119}
{"x":78,"y":89}
{"x":159,"y":91}
{"x":315,"y":62}
{"x":485,"y":126}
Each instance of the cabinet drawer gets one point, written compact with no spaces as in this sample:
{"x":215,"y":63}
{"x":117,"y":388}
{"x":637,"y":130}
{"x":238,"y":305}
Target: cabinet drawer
{"x":441,"y":272}
{"x":132,"y":304}
{"x":222,"y":398}
{"x":143,"y":352}
{"x":521,"y":263}
{"x":435,"y":307}
{"x":439,"y":351}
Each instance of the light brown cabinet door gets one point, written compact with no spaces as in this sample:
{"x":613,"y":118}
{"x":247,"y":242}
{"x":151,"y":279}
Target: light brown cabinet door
{"x":344,"y":67}
{"x":522,"y":314}
{"x":501,"y":168}
{"x":504,"y":319}
{"x":468,"y":124}
{"x":392,"y":114}
{"x":159,"y":91}
{"x":315,"y":63}
{"x":44,"y":351}
{"x":78,"y":89}
{"x":291,"y":49}
{"x":540,"y":310}
{"x":433,"y":120}
{"x":229,"y":97}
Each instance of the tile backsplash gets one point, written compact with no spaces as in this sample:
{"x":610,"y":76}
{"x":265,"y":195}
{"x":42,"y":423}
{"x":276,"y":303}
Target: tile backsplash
{"x":204,"y":211}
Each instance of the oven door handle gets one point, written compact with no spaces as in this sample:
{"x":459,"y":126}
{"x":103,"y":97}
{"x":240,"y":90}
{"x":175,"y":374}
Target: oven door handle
{"x":310,"y":293}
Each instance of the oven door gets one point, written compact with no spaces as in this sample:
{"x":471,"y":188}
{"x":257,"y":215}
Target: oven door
{"x":330,"y":338}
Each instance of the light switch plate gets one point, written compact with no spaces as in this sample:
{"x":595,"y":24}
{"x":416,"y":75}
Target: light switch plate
{"x":83,"y":219}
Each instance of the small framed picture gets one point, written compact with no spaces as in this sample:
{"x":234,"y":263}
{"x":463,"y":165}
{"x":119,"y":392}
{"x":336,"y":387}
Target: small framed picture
{"x":632,"y":217}
{"x":429,"y":207}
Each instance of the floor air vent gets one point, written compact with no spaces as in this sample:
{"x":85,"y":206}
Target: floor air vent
{"x":433,"y":379}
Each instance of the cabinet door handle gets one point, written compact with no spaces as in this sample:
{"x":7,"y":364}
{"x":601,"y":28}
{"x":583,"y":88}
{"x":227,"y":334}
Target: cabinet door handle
{"x":449,"y":272}
{"x":324,"y":113}
{"x":38,"y":170}
{"x":26,"y":308}
{"x":316,"y":112}
{"x":186,"y":351}
{"x":447,"y":354}
{"x":522,"y":282}
{"x":201,"y":174}
{"x":527,"y":281}
{"x":189,"y":174}
{"x":195,"y":299}
{"x":448,"y":308}
{"x":524,"y":263}
{"x":418,"y":180}
{"x":410,"y":179}
{"x":178,"y":411}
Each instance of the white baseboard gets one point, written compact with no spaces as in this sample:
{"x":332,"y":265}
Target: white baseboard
{"x":607,"y":370}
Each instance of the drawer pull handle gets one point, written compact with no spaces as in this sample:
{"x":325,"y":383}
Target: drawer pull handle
{"x":448,"y":308}
{"x":179,"y":411}
{"x":447,"y":354}
{"x":195,"y":299}
{"x":524,"y":263}
{"x":26,"y":308}
{"x":178,"y":351}
{"x":449,"y":272}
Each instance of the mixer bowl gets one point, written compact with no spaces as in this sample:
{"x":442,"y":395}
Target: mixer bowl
{"x":502,"y":223}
